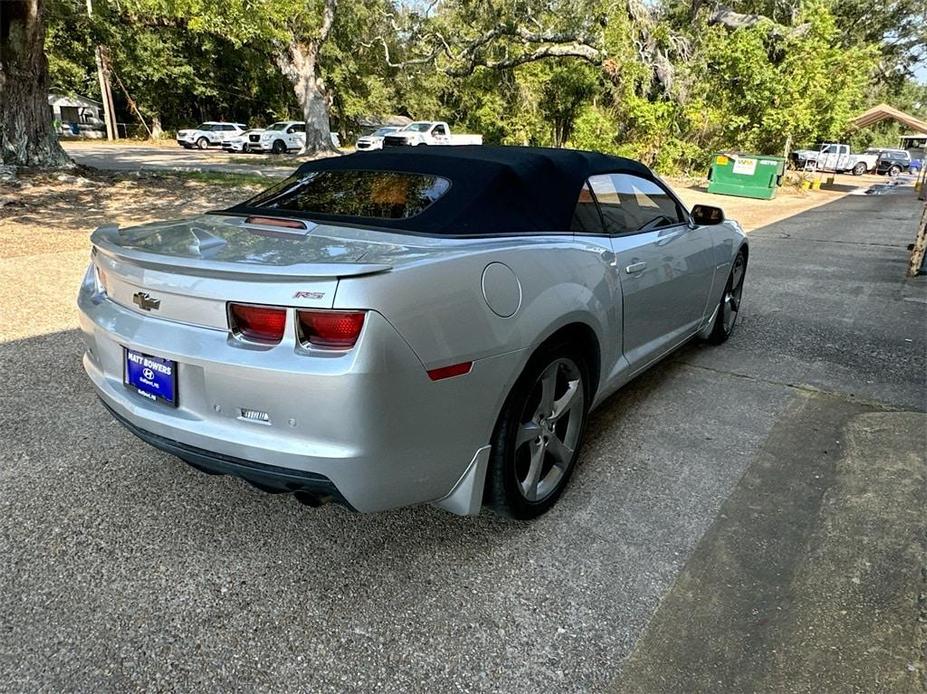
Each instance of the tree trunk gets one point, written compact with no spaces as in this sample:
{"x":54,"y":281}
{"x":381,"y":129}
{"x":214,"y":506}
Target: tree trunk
{"x":26,"y":134}
{"x":299,"y":64}
{"x":156,"y":131}
{"x":312,"y":98}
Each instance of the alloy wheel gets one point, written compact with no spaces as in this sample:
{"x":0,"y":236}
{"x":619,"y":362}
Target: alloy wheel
{"x":550,"y":429}
{"x":730,"y":305}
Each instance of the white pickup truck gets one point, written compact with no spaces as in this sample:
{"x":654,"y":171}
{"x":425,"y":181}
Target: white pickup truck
{"x":834,"y":156}
{"x":428,"y":132}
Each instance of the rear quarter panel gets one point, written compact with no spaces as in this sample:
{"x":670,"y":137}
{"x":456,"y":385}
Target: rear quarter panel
{"x":436,"y":303}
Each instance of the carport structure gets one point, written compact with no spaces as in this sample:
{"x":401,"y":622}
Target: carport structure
{"x":914,"y":142}
{"x":882,"y":112}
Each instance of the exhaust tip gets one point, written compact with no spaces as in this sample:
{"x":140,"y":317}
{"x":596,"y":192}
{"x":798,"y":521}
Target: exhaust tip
{"x":310,"y":499}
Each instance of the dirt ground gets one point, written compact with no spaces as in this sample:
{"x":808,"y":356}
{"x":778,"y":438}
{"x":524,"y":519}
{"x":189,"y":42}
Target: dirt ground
{"x":789,"y":201}
{"x":57,"y":212}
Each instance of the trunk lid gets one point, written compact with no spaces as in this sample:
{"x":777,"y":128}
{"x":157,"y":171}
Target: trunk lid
{"x":230,"y":245}
{"x":189,"y":270}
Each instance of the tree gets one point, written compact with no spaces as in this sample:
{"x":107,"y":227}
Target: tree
{"x":461,"y":37}
{"x":299,"y":62}
{"x":26,"y":135}
{"x":291,"y":33}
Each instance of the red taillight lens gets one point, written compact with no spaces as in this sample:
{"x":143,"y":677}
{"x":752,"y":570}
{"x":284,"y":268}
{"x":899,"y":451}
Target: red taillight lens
{"x":450,"y":371}
{"x":334,"y":329}
{"x":259,"y":323}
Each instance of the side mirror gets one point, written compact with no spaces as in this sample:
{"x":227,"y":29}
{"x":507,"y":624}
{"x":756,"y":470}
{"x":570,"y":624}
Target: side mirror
{"x":707,"y":215}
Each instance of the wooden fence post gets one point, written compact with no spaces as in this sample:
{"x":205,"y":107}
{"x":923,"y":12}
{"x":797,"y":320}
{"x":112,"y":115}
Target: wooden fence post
{"x":920,"y":245}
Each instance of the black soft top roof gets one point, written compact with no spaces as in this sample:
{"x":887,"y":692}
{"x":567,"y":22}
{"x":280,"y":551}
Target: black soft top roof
{"x":493,"y":189}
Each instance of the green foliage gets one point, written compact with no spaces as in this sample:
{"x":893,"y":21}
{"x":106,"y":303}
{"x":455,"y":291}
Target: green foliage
{"x":595,"y":129}
{"x":806,"y":92}
{"x":670,"y":87}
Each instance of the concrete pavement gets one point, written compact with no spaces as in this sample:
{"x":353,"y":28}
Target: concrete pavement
{"x":125,"y":569}
{"x":812,"y":576}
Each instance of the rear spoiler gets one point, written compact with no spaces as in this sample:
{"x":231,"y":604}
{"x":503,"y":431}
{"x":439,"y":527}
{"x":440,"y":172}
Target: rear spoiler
{"x":108,"y":240}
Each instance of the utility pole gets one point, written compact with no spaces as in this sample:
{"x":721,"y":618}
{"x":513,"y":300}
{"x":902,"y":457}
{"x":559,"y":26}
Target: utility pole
{"x":106,"y":92}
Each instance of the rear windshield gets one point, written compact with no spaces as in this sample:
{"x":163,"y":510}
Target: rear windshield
{"x":349,"y":193}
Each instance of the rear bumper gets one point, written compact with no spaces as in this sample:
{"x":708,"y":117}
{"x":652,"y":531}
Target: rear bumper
{"x":268,"y":478}
{"x":369,"y":422}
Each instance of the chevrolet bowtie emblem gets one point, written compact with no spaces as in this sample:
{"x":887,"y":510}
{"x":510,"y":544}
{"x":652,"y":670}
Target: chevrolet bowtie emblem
{"x":145,"y":301}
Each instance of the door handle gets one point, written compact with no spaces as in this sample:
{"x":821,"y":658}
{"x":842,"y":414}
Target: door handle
{"x":635,"y":267}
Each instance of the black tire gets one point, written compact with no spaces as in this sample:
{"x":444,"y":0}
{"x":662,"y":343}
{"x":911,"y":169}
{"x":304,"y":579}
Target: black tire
{"x":725,"y":322}
{"x":895,"y":170}
{"x":859,"y":169}
{"x":202,"y":143}
{"x":279,"y":147}
{"x":510,"y":461}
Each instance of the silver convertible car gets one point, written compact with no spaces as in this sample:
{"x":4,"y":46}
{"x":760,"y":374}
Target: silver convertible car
{"x":400,"y":327}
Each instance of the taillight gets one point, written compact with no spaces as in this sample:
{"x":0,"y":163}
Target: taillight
{"x":443,"y":372}
{"x":100,"y":280}
{"x":331,"y":329}
{"x":258,"y":323}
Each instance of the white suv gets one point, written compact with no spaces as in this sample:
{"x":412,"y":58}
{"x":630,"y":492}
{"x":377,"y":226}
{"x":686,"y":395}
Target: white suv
{"x":209,"y":134}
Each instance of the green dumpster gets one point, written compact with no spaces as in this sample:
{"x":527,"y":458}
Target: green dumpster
{"x":745,"y":175}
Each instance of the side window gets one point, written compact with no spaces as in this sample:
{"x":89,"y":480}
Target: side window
{"x":631,"y":204}
{"x":297,"y":128}
{"x":586,"y":215}
{"x":440,"y":130}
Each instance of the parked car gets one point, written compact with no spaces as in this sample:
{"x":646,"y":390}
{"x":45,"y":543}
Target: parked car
{"x":893,"y":162}
{"x":209,"y":134}
{"x":383,"y":331}
{"x":286,"y":136}
{"x":427,"y":132}
{"x":247,"y":141}
{"x":832,"y":156}
{"x":375,"y":139}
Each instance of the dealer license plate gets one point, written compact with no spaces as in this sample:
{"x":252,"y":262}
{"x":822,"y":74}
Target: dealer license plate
{"x":151,"y":377}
